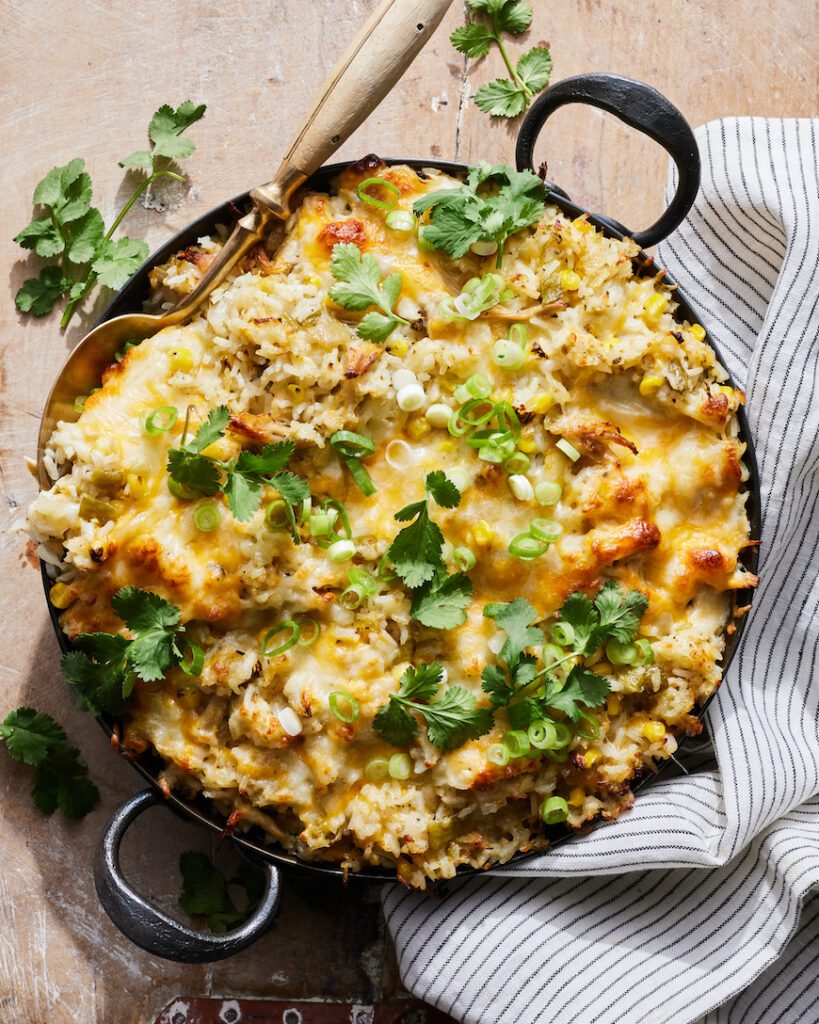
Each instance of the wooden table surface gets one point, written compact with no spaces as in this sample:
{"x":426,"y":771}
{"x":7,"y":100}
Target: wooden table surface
{"x":82,"y":79}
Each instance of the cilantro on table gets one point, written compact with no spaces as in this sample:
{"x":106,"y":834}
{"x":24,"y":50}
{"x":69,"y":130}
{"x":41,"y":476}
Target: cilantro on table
{"x":60,"y":779}
{"x":494,"y":203}
{"x":451,"y":720}
{"x":205,"y":891}
{"x":438,"y":600}
{"x":360,"y":286}
{"x":67,"y":227}
{"x":104,"y":667}
{"x":241,"y":479}
{"x":504,"y":97}
{"x":529,"y":693}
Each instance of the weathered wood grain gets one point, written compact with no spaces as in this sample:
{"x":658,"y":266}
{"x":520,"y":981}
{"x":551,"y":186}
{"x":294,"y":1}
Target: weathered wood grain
{"x":81,"y":79}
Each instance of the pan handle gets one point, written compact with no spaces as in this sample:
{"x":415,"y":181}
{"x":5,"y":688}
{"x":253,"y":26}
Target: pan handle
{"x":641,"y":107}
{"x":145,"y":924}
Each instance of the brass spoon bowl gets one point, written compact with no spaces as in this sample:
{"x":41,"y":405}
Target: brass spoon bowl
{"x":373,"y":63}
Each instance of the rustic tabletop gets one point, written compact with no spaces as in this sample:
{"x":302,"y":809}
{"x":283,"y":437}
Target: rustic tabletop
{"x":82,"y":79}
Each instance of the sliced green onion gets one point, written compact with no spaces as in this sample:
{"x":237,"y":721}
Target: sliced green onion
{"x":352,"y":445}
{"x":495,"y":448}
{"x":329,"y":503}
{"x":384,"y":572}
{"x":645,"y":652}
{"x":559,"y":756}
{"x":79,"y":402}
{"x":459,"y":476}
{"x":497,"y":753}
{"x":622,"y":654}
{"x":309,"y":632}
{"x":517,"y":743}
{"x":400,"y":766}
{"x":475,"y":413}
{"x":568,"y":450}
{"x":476,"y":386}
{"x":464,"y":559}
{"x":562,"y":633}
{"x":180,"y":491}
{"x":484,"y":248}
{"x":507,"y":355}
{"x":341,"y":550}
{"x":424,"y":244}
{"x":321,"y":523}
{"x":519,"y":334}
{"x":518,"y":462}
{"x":363,"y":480}
{"x":478,"y":295}
{"x":526,"y":546}
{"x":590,"y":729}
{"x":362,"y":584}
{"x":193,"y":666}
{"x":275,"y":515}
{"x":548,"y":493}
{"x":522,"y":489}
{"x":379,"y":183}
{"x":378,"y":769}
{"x":306,"y":508}
{"x":550,"y":653}
{"x":291,"y":641}
{"x":507,"y":419}
{"x":400,"y":220}
{"x":564,"y":734}
{"x":207,"y":517}
{"x":120,"y":353}
{"x":542,"y":735}
{"x":547,"y":530}
{"x":161,"y":419}
{"x":554,"y":810}
{"x":438,"y":414}
{"x":344,"y":706}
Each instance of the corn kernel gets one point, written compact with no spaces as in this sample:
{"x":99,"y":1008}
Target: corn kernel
{"x":482,"y":532}
{"x":448,"y":445}
{"x":417,"y":428}
{"x":295,"y":390}
{"x":220,"y":449}
{"x":541,"y":403}
{"x":527,"y":444}
{"x":698,"y":331}
{"x":591,"y":758}
{"x":613,"y":703}
{"x":60,"y":596}
{"x":576,"y":797}
{"x":181,"y":360}
{"x":655,"y":307}
{"x":569,"y":280}
{"x":651,"y":385}
{"x":654,"y":731}
{"x":581,"y":224}
{"x":137,"y":487}
{"x":398,"y":347}
{"x":314,"y":280}
{"x":727,"y":390}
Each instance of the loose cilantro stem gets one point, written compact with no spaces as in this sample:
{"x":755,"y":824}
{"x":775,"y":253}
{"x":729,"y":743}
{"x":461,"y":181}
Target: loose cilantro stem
{"x":511,"y":69}
{"x":88,"y":281}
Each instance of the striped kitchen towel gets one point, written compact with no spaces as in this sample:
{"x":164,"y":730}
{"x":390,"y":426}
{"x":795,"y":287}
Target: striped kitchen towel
{"x":696,"y":904}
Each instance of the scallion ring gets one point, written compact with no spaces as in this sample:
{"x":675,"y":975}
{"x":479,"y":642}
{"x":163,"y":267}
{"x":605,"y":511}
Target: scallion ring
{"x":378,"y":183}
{"x":645,"y":652}
{"x":275,"y":515}
{"x":309,"y":632}
{"x":352,"y":445}
{"x":542,"y":735}
{"x":622,"y":654}
{"x":207,"y":517}
{"x":548,"y":493}
{"x":476,"y":386}
{"x":378,"y":769}
{"x":517,"y":743}
{"x":518,"y":462}
{"x":554,"y":810}
{"x":546,"y":530}
{"x":344,"y":706}
{"x":507,"y":419}
{"x":193,"y":665}
{"x":527,"y":547}
{"x":161,"y":420}
{"x":363,"y":480}
{"x":400,"y":766}
{"x":180,"y":491}
{"x":588,"y":728}
{"x":497,"y":753}
{"x":291,"y":641}
{"x":562,"y":633}
{"x":400,"y":220}
{"x":329,"y":503}
{"x":464,"y":559}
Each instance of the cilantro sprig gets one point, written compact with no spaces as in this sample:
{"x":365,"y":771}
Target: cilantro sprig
{"x":438,"y":600}
{"x":242,"y":479}
{"x":360,"y":286}
{"x":67,"y":227}
{"x":495,"y":202}
{"x":504,"y":97}
{"x":451,"y":720}
{"x":205,"y":891}
{"x":530,"y":693}
{"x":60,"y":778}
{"x":104,"y":667}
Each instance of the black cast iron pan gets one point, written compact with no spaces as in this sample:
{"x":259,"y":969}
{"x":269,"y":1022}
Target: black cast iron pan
{"x":639,"y":106}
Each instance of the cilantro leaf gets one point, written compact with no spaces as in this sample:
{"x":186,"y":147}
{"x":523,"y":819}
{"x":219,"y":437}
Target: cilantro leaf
{"x":495,"y":683}
{"x":142,"y":610}
{"x":581,"y":687}
{"x":272,"y":459}
{"x":513,"y":17}
{"x":167,"y":125}
{"x":501,"y":98}
{"x":62,"y":781}
{"x":66,"y":191}
{"x":140,"y":158}
{"x":474,"y":40}
{"x":515,"y":619}
{"x":450,"y":721}
{"x":43,"y":236}
{"x":620,"y":613}
{"x":535,"y":68}
{"x":292,"y":487}
{"x":196,"y":472}
{"x":211,"y":430}
{"x":117,"y":260}
{"x":31,"y":735}
{"x":359,"y":286}
{"x":84,"y":237}
{"x":244,"y":495}
{"x":442,"y":489}
{"x":37,"y":295}
{"x":205,"y":891}
{"x":416,"y":551}
{"x":441,"y":604}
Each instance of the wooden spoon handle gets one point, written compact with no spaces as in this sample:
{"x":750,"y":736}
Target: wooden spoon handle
{"x":378,"y":56}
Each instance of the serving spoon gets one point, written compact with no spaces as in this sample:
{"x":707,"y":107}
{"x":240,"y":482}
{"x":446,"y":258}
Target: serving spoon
{"x":375,"y":60}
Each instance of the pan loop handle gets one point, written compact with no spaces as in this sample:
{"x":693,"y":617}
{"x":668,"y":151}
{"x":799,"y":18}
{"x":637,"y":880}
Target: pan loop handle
{"x":641,"y":107}
{"x":150,"y":928}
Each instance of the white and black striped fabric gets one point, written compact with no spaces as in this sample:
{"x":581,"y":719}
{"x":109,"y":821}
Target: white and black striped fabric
{"x":696,"y":905}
